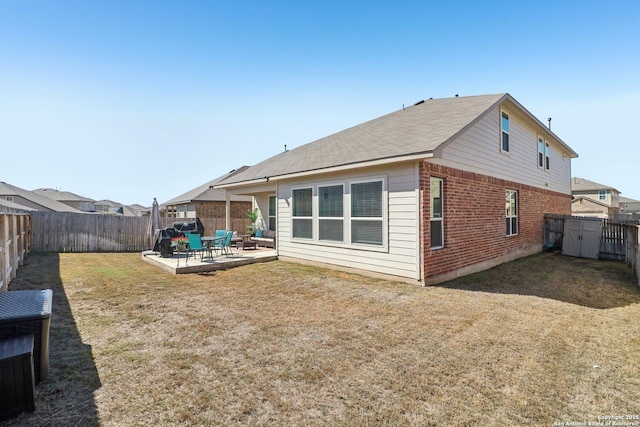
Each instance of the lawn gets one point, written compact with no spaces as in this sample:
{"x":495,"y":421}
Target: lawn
{"x":540,"y":341}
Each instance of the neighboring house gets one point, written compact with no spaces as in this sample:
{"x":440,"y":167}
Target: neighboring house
{"x":205,"y":201}
{"x":440,"y":189}
{"x":603,"y":200}
{"x":32,"y":200}
{"x":107,"y":206}
{"x":586,"y":206}
{"x":75,"y":201}
{"x":629,"y":206}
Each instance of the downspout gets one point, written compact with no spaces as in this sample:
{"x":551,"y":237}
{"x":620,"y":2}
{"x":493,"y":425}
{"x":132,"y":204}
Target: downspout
{"x":227,"y":211}
{"x":419,"y":216}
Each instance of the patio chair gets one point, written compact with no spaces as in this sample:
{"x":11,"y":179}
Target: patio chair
{"x":224,"y":245}
{"x":195,"y":245}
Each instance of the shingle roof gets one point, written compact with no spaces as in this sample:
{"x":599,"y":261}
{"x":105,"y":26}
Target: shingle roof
{"x":415,"y":130}
{"x":45,"y":202}
{"x":581,"y":184}
{"x":206,"y":192}
{"x":61,"y":196}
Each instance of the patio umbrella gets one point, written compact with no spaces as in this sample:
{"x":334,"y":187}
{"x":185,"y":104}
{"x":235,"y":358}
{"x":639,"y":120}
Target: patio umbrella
{"x":154,"y":220}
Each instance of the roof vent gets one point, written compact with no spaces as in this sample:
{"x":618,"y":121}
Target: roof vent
{"x":419,"y":102}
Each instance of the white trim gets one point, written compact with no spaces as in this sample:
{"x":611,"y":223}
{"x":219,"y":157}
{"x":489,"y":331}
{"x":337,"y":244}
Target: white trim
{"x":507,"y":216}
{"x":332,"y":169}
{"x":441,"y":219}
{"x":502,"y":131}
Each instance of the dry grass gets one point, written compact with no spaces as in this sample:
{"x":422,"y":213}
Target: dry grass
{"x":541,"y":340}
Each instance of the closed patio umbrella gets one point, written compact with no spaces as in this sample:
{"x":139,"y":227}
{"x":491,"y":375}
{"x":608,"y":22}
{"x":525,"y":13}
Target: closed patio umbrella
{"x":154,"y":220}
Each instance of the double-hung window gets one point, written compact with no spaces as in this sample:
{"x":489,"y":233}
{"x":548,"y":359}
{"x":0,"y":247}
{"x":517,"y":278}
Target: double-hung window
{"x":436,"y":206}
{"x":504,"y":127}
{"x":367,"y":213}
{"x":511,"y":209}
{"x":540,"y":152}
{"x":272,"y":213}
{"x":547,"y":155}
{"x":602,"y":194}
{"x":302,"y":213}
{"x":331,"y":213}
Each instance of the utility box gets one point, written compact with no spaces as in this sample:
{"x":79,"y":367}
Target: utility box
{"x":17,"y":386}
{"x":28,"y":312}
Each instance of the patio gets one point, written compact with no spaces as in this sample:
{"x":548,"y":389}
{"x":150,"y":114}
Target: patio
{"x":178,"y":263}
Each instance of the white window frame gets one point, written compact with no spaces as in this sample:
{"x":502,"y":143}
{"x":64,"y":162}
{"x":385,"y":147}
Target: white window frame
{"x":383,"y":219}
{"x":331,"y":218}
{"x":540,"y":158}
{"x":274,"y":216}
{"x":433,"y":219}
{"x":313,"y":234}
{"x":503,"y":132}
{"x":9,"y":198}
{"x":510,"y":215}
{"x":602,"y":194}
{"x":547,"y":156}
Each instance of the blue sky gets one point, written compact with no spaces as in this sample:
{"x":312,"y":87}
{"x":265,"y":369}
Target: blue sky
{"x":130,"y":100}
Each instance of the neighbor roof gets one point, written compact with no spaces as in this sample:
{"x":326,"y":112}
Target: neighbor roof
{"x":45,"y":202}
{"x":581,"y":184}
{"x":61,"y":196}
{"x":206,"y":192}
{"x":411,"y":132}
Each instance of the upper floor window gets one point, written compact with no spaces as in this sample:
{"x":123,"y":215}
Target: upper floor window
{"x":511,"y":211}
{"x":366,"y":213}
{"x":504,"y":125}
{"x":436,"y":228}
{"x":302,"y":213}
{"x":547,"y":155}
{"x":331,"y":213}
{"x":602,"y":194}
{"x":540,"y":152}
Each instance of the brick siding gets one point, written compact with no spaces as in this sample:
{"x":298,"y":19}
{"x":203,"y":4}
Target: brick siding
{"x":474,"y":218}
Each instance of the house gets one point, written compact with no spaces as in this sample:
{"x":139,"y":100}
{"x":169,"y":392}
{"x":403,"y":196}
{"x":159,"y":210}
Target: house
{"x":68,"y":198}
{"x":593,"y":199}
{"x":32,"y":200}
{"x":427,"y":193}
{"x":629,"y":206}
{"x":210,"y":205}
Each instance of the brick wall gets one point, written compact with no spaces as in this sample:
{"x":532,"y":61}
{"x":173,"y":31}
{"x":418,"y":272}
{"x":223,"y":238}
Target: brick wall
{"x":474,"y":219}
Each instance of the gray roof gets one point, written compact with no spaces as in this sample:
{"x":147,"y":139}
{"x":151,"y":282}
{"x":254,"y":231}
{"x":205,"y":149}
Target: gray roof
{"x":13,"y":207}
{"x":581,"y":184}
{"x":206,"y":192}
{"x":628,"y":200}
{"x":45,"y":202}
{"x":61,"y":196}
{"x":417,"y":130}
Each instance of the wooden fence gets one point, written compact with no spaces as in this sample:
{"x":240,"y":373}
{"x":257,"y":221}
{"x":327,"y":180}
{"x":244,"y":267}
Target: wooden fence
{"x":15,"y":242}
{"x":619,"y":239}
{"x":78,"y":232}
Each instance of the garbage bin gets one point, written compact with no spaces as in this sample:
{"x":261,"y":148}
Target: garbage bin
{"x":29,"y":312}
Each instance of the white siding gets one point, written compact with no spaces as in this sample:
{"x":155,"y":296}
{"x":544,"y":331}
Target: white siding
{"x":399,"y":257}
{"x":478,"y":150}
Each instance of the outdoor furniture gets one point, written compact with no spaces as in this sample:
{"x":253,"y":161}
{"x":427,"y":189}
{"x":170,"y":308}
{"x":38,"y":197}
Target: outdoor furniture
{"x":246,"y":242}
{"x":17,"y":392}
{"x":224,"y":245}
{"x":266,"y":238}
{"x":29,"y":312}
{"x":195,"y":245}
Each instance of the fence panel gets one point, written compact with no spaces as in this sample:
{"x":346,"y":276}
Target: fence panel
{"x":612,"y":243}
{"x":15,"y":241}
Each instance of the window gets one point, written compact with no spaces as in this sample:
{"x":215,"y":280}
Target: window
{"x":546,"y":155}
{"x":9,"y":198}
{"x":366,"y":213}
{"x":511,"y":208}
{"x":540,"y":152}
{"x":272,"y":213}
{"x":436,"y":209}
{"x":504,"y":124}
{"x":602,"y":194}
{"x":330,"y":213}
{"x":302,"y":213}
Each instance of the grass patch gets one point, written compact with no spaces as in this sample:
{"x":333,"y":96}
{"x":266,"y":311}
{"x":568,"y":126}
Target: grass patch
{"x":540,"y":340}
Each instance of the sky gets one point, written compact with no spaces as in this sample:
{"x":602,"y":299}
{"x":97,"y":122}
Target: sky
{"x":131,"y":100}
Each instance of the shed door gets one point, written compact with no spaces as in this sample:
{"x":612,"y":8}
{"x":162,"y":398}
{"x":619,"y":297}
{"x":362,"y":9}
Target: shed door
{"x":571,"y":238}
{"x":590,"y":242}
